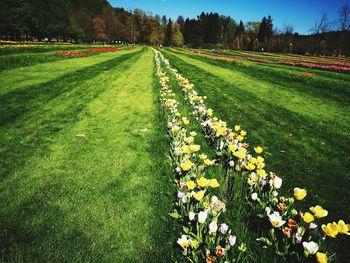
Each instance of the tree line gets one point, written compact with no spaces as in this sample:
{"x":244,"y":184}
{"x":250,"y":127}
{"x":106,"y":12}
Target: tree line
{"x":97,"y":21}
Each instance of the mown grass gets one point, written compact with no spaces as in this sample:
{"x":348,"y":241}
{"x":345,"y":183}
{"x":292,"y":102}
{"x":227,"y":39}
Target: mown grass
{"x":302,"y":124}
{"x":83,"y":173}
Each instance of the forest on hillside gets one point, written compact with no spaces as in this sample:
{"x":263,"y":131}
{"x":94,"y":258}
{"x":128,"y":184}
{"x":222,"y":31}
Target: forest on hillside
{"x":88,"y":21}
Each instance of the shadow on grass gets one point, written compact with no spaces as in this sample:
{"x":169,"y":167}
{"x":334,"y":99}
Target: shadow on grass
{"x":27,"y":124}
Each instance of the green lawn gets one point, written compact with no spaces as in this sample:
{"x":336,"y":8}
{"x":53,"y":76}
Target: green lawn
{"x":84,"y":170}
{"x":302,"y":123}
{"x":83,"y":173}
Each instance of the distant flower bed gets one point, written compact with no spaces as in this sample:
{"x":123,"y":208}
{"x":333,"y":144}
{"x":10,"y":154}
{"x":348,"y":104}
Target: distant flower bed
{"x":302,"y":74}
{"x":330,"y":67}
{"x":86,"y":53}
{"x":337,"y":68}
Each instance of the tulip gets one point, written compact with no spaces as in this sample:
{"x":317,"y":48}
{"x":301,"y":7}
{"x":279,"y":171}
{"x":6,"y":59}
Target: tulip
{"x":232,"y":240}
{"x":202,"y":182}
{"x":191,"y":185}
{"x":195,"y":148}
{"x":318,"y":211}
{"x":277,"y":182}
{"x":199,"y":195}
{"x":254,"y":196}
{"x":223,"y":228}
{"x":203,"y":156}
{"x":186,"y":165}
{"x":214,"y":183}
{"x":310,"y":247}
{"x":258,"y":150}
{"x":343,"y":228}
{"x":321,"y":257}
{"x":202,"y":216}
{"x":331,"y":229}
{"x":299,"y":194}
{"x":276,"y":219}
{"x":183,"y":242}
{"x":307,"y":217}
{"x":219,"y":251}
{"x":250,"y":166}
{"x":191,"y":215}
{"x":213,"y":227}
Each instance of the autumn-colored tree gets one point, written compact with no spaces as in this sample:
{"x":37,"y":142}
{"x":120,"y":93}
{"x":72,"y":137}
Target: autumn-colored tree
{"x":177,"y":38}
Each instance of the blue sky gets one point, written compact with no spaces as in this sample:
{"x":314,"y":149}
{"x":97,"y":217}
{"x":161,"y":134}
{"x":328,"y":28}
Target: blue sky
{"x":299,"y":13}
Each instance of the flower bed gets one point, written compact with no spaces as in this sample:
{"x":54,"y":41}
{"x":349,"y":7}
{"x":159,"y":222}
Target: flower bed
{"x":85,"y":53}
{"x":295,"y":234}
{"x":198,"y":210}
{"x":331,"y":67}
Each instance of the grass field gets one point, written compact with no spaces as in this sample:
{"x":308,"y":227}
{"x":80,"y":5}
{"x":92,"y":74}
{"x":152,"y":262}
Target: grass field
{"x":83,"y":152}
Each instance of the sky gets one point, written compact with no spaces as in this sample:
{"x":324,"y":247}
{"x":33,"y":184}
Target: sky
{"x":301,"y":14}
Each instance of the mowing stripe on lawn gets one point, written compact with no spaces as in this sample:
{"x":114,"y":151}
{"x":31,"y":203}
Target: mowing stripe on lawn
{"x":37,"y":74}
{"x":100,"y":188}
{"x":293,"y":100}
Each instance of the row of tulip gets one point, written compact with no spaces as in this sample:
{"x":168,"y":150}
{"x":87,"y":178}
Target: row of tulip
{"x":295,"y":235}
{"x":85,"y":53}
{"x":331,"y":67}
{"x":204,"y":237}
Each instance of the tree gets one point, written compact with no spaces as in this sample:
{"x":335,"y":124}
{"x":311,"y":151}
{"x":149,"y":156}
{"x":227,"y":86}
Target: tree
{"x":321,"y":26}
{"x":344,"y":18}
{"x":177,"y":38}
{"x":99,"y":26}
{"x":181,"y":22}
{"x":168,"y":33}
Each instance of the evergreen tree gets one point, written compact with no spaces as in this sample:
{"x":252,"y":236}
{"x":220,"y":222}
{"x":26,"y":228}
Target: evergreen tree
{"x":168,"y":33}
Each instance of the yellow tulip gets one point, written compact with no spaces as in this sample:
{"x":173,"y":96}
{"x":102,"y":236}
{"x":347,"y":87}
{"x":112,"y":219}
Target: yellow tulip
{"x":343,"y":228}
{"x":210,"y":112}
{"x":190,"y":185}
{"x":331,"y":229}
{"x":190,"y":139}
{"x":261,"y":165}
{"x":186,"y":165}
{"x":262,"y":173}
{"x":208,"y":162}
{"x":237,"y":128}
{"x":318,"y":211}
{"x":175,"y":129}
{"x":177,"y":114}
{"x":202,"y":182}
{"x":258,"y":150}
{"x":194,"y":244}
{"x":193,"y":133}
{"x":185,"y":149}
{"x":195,"y":148}
{"x":253,"y":160}
{"x":321,"y":257}
{"x":214,"y":183}
{"x":199,"y":196}
{"x":185,"y":121}
{"x":203,"y":156}
{"x":259,"y":159}
{"x":299,"y":194}
{"x":243,"y":133}
{"x":240,"y":138}
{"x":308,"y":218}
{"x":232,"y":147}
{"x":250,"y":166}
{"x":239,"y":155}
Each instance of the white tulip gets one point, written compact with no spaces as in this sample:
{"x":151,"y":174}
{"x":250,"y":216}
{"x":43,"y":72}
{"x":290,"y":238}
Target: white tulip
{"x":254,"y":196}
{"x":202,"y":216}
{"x":191,"y":215}
{"x":213,"y":227}
{"x":310,"y":247}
